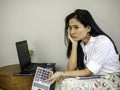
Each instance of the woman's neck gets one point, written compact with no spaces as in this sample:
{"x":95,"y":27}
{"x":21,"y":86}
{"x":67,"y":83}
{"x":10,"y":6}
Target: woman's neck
{"x":86,"y":39}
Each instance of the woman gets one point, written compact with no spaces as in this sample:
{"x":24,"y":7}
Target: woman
{"x":90,"y":50}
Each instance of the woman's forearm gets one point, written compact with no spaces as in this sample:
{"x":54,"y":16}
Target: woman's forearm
{"x":84,"y":72}
{"x":72,"y":62}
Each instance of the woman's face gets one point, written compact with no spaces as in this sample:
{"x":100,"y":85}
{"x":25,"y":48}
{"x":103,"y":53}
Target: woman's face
{"x":77,"y":30}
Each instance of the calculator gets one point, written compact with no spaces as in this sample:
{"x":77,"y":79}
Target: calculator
{"x":38,"y":81}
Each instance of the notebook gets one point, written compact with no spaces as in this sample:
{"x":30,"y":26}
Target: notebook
{"x":27,"y":67}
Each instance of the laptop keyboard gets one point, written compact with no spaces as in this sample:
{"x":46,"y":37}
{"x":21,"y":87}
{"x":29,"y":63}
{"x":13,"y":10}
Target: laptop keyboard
{"x":32,"y":67}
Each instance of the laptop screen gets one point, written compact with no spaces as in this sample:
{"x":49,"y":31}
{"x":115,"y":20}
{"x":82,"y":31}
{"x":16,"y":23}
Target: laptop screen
{"x":23,"y":54}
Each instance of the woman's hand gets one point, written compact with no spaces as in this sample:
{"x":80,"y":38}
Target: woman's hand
{"x":54,"y":77}
{"x":71,"y":39}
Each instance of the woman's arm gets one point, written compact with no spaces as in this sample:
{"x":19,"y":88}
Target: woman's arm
{"x":72,"y":62}
{"x":57,"y":75}
{"x":84,"y":72}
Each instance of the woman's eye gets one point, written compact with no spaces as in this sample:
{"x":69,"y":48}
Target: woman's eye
{"x":76,"y":27}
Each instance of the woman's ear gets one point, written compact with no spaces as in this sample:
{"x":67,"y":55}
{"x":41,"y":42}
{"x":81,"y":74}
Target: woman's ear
{"x":89,"y":28}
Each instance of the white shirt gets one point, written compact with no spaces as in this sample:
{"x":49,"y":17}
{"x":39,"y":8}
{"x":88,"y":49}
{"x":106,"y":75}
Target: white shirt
{"x":100,"y":56}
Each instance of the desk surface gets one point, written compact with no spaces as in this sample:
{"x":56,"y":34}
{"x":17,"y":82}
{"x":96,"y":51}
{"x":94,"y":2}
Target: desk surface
{"x":8,"y":70}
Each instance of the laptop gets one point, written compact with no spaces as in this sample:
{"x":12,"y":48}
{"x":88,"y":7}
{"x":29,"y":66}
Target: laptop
{"x":27,"y":67}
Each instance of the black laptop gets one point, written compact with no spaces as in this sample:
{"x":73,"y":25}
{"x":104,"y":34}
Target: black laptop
{"x":28,"y":68}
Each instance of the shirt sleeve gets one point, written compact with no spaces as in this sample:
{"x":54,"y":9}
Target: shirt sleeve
{"x":99,"y":54}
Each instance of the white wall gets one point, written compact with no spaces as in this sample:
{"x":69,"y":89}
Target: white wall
{"x":41,"y":22}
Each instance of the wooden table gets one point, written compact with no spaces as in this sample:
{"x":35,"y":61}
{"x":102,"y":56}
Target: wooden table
{"x":10,"y":82}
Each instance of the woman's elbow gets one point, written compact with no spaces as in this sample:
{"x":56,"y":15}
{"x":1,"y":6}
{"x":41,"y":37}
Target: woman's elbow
{"x":88,"y":72}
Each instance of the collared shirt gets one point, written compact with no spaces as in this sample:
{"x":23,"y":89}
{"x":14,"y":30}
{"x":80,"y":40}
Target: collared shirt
{"x":100,"y":56}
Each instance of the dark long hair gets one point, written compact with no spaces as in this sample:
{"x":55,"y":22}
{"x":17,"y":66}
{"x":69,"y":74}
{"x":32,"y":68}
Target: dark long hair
{"x":84,"y":17}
